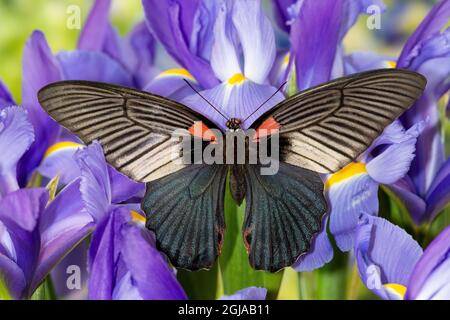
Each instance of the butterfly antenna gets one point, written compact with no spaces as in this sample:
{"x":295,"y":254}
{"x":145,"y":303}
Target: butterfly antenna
{"x":278,"y":90}
{"x":195,"y":90}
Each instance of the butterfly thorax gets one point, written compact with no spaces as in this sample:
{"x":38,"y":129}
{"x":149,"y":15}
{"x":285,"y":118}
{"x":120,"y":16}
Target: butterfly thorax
{"x":234,"y":124}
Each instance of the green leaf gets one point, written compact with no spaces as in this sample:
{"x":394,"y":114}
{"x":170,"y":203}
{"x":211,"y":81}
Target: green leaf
{"x":45,"y":291}
{"x":289,"y":288}
{"x":201,"y":285}
{"x":236,"y":271}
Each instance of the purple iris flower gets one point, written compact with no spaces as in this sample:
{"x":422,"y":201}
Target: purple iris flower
{"x":35,"y":235}
{"x":402,"y":271}
{"x":423,"y":190}
{"x":240,"y":26}
{"x":6,"y":98}
{"x":103,"y":55}
{"x":354,"y":190}
{"x":251,"y":293}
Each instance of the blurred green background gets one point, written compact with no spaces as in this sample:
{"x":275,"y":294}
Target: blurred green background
{"x":18,"y":18}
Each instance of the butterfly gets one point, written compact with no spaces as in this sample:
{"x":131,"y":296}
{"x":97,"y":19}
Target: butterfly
{"x":320,"y":131}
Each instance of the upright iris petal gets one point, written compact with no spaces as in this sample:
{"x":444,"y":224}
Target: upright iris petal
{"x":16,"y":136}
{"x":172,"y":22}
{"x":6,"y":98}
{"x":245,"y":88}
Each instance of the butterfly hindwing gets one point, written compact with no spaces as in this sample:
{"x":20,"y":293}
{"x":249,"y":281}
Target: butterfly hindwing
{"x":186,"y":211}
{"x":283,"y":213}
{"x":326,"y":127}
{"x":135,"y":128}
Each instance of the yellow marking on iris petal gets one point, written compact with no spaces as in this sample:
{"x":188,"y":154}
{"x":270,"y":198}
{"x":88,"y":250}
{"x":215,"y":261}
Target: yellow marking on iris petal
{"x":347,"y":172}
{"x":61,"y":145}
{"x":177,"y":72}
{"x":396,"y":288}
{"x":137,"y":217}
{"x":286,"y":58}
{"x":236,"y":79}
{"x":391,"y":64}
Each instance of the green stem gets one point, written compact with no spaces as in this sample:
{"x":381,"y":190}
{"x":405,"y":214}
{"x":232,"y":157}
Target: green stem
{"x":353,"y":284}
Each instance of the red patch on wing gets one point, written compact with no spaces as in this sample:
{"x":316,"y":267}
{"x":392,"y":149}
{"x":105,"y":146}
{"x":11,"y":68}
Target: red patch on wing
{"x":200,"y":130}
{"x":268,"y":127}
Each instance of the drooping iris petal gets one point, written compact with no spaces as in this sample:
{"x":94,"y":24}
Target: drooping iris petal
{"x":6,"y":98}
{"x":385,"y":255}
{"x":96,"y":67}
{"x":439,"y":193}
{"x":351,"y":192}
{"x":314,"y":41}
{"x":320,"y":253}
{"x":431,"y":276}
{"x":39,"y":68}
{"x":172,"y":24}
{"x":251,"y":293}
{"x":59,"y":161}
{"x":93,"y":35}
{"x":257,"y":39}
{"x":237,"y":98}
{"x":95,"y":183}
{"x":150,"y":272}
{"x":16,"y":136}
{"x":394,"y":162}
{"x":62,"y":225}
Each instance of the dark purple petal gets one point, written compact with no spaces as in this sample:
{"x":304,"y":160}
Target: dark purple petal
{"x":122,"y":187}
{"x":139,"y":54}
{"x":386,"y":252}
{"x":250,"y":293}
{"x":62,"y":225}
{"x":94,"y":32}
{"x":151,"y":274}
{"x":320,"y":252}
{"x":97,"y":66}
{"x":6,"y":98}
{"x":430,"y":278}
{"x":171,"y":22}
{"x":95,"y":183}
{"x":436,"y":19}
{"x":439,"y":193}
{"x":39,"y":69}
{"x":314,"y":41}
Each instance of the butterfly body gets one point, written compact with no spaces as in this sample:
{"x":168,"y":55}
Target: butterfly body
{"x":319,"y":130}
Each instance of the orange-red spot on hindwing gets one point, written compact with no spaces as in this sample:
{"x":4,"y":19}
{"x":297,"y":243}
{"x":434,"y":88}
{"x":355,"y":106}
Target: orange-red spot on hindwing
{"x":200,"y":130}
